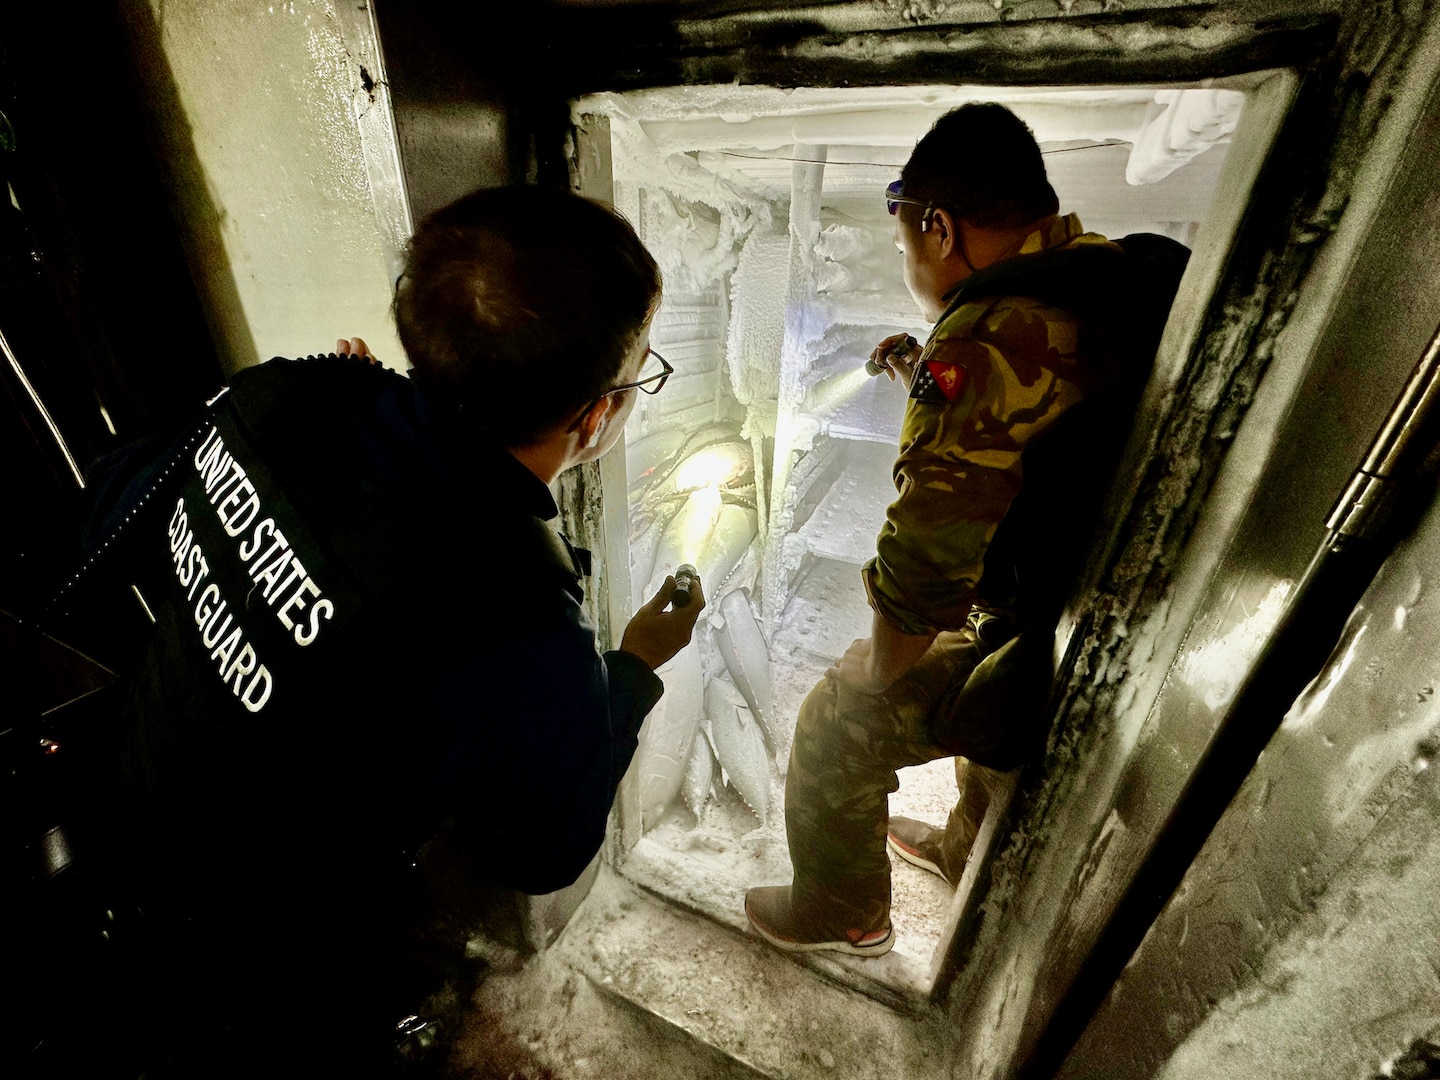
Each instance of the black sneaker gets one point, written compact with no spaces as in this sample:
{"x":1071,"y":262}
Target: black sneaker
{"x":770,"y":912}
{"x":917,"y":843}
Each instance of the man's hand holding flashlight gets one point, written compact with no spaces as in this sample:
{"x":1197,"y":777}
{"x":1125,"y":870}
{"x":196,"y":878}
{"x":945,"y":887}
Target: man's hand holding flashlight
{"x":894,"y":356}
{"x":655,"y":634}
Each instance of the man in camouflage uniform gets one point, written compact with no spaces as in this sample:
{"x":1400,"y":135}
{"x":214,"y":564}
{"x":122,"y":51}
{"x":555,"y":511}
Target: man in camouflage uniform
{"x":969,"y":575}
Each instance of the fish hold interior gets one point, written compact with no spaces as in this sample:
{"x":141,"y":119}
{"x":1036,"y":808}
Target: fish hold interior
{"x":767,"y":459}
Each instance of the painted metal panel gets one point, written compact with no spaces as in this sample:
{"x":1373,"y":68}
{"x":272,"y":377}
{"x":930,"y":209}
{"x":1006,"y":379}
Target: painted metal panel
{"x":1355,"y":746}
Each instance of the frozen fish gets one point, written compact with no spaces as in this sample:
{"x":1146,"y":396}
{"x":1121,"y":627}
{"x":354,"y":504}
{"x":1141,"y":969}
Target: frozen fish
{"x":734,"y":532}
{"x":708,"y":532}
{"x":747,"y":659}
{"x":684,"y":535}
{"x":647,"y":459}
{"x":722,"y":465}
{"x":652,"y":460}
{"x":699,"y":774}
{"x":739,"y":746}
{"x":668,"y":734}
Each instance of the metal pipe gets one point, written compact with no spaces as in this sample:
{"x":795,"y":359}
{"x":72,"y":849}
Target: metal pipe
{"x":50,"y":424}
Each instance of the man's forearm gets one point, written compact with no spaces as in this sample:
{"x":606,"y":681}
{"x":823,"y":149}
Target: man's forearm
{"x":893,"y":653}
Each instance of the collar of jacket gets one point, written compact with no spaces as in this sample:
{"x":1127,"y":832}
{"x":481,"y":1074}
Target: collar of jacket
{"x":1053,"y":232}
{"x":1083,"y":273}
{"x":497,"y":472}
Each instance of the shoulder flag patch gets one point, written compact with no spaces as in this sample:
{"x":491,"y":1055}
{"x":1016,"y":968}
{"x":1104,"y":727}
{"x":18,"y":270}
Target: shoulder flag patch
{"x":937,"y":382}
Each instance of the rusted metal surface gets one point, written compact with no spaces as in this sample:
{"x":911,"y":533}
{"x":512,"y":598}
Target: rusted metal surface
{"x":1037,"y":43}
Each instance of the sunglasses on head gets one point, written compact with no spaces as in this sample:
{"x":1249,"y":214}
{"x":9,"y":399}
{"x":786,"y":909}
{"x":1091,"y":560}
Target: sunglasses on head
{"x":893,"y":199}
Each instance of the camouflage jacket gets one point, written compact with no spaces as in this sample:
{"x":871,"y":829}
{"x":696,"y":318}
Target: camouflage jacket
{"x":996,"y":373}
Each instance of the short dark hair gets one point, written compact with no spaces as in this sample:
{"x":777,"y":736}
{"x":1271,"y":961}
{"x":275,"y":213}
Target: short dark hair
{"x":982,"y":163}
{"x":536,"y":289}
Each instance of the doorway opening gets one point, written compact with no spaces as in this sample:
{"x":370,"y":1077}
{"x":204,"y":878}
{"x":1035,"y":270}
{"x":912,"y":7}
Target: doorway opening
{"x":767,"y":460}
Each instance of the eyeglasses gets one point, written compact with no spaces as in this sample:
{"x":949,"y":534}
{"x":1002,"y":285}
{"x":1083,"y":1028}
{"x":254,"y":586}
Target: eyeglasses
{"x":651,"y":384}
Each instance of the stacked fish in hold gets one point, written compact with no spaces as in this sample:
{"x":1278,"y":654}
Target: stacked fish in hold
{"x":738,"y":746}
{"x":720,"y":722}
{"x":709,"y":532}
{"x":707,"y":472}
{"x":723,"y":722}
{"x":747,"y":659}
{"x":668,"y":734}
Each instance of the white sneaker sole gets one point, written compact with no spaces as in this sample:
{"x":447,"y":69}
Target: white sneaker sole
{"x":914,"y":858}
{"x":873,"y":948}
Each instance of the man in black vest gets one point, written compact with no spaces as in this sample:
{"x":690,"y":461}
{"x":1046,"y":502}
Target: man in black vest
{"x":367,"y":631}
{"x":1020,"y":402}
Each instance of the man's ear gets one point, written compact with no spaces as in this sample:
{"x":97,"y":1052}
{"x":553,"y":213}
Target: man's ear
{"x":592,"y":420}
{"x":944,"y":230}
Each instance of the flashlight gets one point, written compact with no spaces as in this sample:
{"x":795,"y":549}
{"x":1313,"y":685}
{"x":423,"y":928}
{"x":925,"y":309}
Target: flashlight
{"x":685,"y":576}
{"x":901,"y":351}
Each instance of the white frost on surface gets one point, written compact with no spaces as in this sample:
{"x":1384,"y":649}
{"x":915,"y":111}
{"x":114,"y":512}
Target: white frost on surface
{"x":714,"y":541}
{"x":844,"y":525}
{"x":1183,"y":124}
{"x":699,"y":781}
{"x":852,"y":259}
{"x":757,"y":317}
{"x":1214,"y":670}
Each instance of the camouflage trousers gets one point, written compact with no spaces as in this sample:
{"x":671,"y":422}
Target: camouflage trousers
{"x":848,"y":745}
